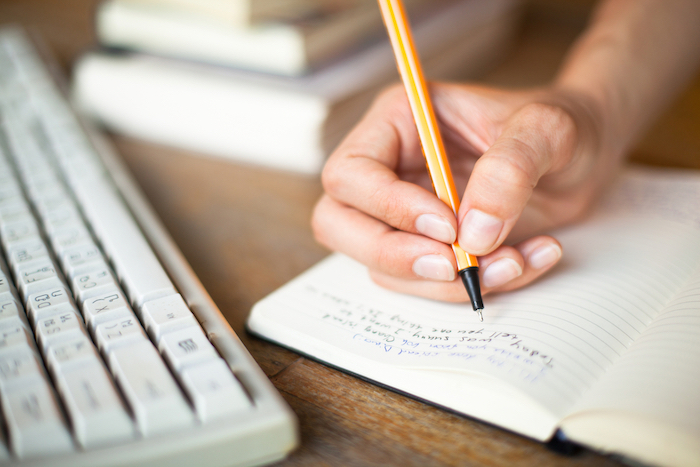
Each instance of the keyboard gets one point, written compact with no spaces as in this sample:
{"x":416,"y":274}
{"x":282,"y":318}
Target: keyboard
{"x":111,"y":351}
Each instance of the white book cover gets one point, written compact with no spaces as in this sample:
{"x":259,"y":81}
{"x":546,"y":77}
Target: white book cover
{"x":243,"y":13}
{"x":291,"y":47}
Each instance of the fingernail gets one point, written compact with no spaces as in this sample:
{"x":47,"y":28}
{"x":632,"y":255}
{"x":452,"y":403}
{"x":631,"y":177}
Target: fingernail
{"x":436,"y":227}
{"x":434,"y":267}
{"x":479,"y":231}
{"x":500,"y":272}
{"x":544,"y":256}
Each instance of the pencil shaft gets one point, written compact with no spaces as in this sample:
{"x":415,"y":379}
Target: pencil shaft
{"x":412,"y":76}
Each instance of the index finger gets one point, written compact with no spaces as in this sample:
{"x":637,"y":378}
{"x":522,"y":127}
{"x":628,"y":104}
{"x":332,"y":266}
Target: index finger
{"x":362,"y":172}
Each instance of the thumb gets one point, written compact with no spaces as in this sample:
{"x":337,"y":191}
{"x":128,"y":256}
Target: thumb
{"x":537,"y":139}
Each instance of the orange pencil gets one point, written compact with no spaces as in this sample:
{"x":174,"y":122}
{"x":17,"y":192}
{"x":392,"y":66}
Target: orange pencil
{"x":409,"y":66}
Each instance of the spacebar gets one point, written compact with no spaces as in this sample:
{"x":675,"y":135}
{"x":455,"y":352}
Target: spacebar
{"x":137,"y":267}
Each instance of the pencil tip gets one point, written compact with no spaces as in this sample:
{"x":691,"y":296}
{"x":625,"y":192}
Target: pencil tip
{"x":470,"y":279}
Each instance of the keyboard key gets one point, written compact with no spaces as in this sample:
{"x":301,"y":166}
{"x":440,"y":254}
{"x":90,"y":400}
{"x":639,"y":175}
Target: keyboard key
{"x":48,"y":302}
{"x":9,"y":189}
{"x":81,"y":258}
{"x":27,"y":253}
{"x":186,"y":347}
{"x":44,"y":206}
{"x":17,"y":231}
{"x":9,"y":186}
{"x":13,"y":210}
{"x":149,"y":388}
{"x":59,"y":328}
{"x":214,"y":390}
{"x":7,"y":290}
{"x":93,"y":283}
{"x":35,"y":425}
{"x":11,"y":313}
{"x":19,"y":368}
{"x":69,"y":236}
{"x":108,"y":306}
{"x":97,"y":414}
{"x":13,"y":337}
{"x":38,"y":277}
{"x":165,"y":315}
{"x":70,"y":354}
{"x":60,"y":217}
{"x":42,"y":190}
{"x":118,"y":333}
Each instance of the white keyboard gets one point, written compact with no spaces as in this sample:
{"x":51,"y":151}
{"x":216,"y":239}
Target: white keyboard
{"x":111,"y":352}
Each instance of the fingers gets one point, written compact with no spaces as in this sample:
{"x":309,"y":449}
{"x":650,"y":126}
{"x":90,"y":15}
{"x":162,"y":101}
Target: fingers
{"x":372,"y":188}
{"x":379,"y":246}
{"x":537,"y":140}
{"x":535,"y":256}
{"x":362,"y":173}
{"x":403,"y":261}
{"x":379,"y":207}
{"x":507,"y":268}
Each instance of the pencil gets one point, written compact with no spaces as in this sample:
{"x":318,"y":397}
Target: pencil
{"x":411,"y":72}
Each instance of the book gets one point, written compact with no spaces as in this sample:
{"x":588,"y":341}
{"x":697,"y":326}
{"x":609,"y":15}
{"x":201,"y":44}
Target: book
{"x":240,"y":12}
{"x":281,"y":122}
{"x":603,"y":350}
{"x":292,"y":47}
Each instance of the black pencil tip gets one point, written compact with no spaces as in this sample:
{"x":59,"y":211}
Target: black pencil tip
{"x":470,"y":279}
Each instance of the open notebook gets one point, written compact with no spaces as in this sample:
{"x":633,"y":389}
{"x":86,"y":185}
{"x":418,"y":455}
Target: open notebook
{"x":605,"y":348}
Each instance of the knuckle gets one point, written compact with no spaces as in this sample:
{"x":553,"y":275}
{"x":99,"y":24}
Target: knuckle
{"x":332,"y":178}
{"x":392,"y":210}
{"x":543,"y":138}
{"x":390,"y":255}
{"x":556,"y":124}
{"x":383,"y":257}
{"x":391,"y":94}
{"x":318,"y":224}
{"x":392,"y":103}
{"x":551,"y":115}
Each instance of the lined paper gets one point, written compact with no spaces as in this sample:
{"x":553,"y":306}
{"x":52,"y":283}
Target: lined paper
{"x":659,"y":374}
{"x":632,"y":262}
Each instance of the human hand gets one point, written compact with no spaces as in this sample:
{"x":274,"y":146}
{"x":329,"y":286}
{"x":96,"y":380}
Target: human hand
{"x":526,"y":162}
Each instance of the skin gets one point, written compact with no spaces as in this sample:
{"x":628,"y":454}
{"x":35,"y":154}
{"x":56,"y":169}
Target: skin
{"x":526,"y":160}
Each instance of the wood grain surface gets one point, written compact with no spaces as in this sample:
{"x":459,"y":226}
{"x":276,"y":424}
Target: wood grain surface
{"x":245,"y":231}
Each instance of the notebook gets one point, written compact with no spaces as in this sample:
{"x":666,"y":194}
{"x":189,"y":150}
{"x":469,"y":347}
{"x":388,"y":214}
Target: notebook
{"x":604,"y":349}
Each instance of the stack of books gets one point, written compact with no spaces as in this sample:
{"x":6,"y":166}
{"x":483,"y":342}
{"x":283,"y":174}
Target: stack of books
{"x":272,"y":82}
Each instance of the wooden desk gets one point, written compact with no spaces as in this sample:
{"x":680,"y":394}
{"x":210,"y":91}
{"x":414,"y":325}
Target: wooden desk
{"x":245,"y":231}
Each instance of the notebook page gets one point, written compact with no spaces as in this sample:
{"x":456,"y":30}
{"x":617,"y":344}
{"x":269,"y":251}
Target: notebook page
{"x":662,"y":364}
{"x":551,"y":340}
{"x":653,"y":388}
{"x":669,"y":349}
